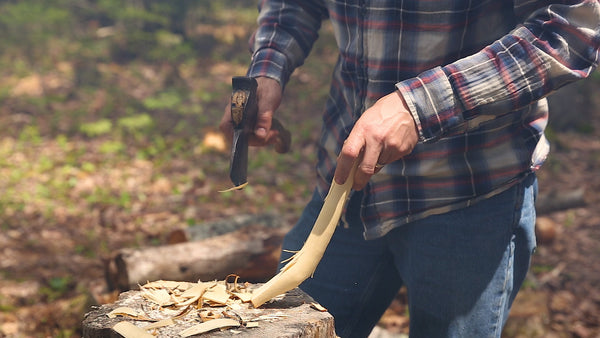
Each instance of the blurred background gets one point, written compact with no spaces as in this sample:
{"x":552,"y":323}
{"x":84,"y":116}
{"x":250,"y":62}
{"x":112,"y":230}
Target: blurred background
{"x":109,"y":113}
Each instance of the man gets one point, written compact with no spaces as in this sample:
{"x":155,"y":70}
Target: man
{"x":444,"y":102}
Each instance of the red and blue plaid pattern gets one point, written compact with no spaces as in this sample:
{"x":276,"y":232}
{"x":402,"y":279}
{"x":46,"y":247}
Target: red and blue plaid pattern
{"x":473,"y":72}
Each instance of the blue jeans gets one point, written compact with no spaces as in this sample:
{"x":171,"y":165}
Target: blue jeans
{"x":462,"y":269}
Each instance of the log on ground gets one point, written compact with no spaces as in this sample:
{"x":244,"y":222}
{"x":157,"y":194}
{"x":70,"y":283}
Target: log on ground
{"x":251,"y":253}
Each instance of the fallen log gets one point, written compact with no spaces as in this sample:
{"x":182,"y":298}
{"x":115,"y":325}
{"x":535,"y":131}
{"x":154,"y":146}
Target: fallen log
{"x":220,"y":227}
{"x":251,"y":253}
{"x":560,"y":200}
{"x":293,"y":315}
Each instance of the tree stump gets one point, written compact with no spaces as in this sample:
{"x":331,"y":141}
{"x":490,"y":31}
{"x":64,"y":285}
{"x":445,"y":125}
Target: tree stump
{"x":290,"y":316}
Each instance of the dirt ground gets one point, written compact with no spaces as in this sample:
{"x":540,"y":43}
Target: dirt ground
{"x":51,"y":276}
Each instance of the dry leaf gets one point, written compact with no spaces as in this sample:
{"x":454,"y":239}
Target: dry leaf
{"x":214,"y":140}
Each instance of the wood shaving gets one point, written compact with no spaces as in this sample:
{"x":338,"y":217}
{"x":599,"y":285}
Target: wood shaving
{"x":128,"y":330}
{"x":123,"y":311}
{"x":178,"y":299}
{"x":209,"y":326}
{"x":128,"y":312}
{"x":318,"y":307}
{"x":162,"y":297}
{"x":252,"y":325}
{"x":216,"y":295}
{"x":239,"y":187}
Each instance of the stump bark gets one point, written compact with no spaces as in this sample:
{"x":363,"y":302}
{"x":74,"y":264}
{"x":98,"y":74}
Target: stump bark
{"x":291,"y":316}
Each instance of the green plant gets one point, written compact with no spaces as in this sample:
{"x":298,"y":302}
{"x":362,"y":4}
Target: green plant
{"x":96,"y":128}
{"x":167,"y":100}
{"x":56,"y":287}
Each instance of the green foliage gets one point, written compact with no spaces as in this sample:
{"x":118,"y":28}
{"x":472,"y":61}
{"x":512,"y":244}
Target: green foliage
{"x":57,"y":287}
{"x":168,"y":100}
{"x":30,"y":134}
{"x":97,"y":128}
{"x":111,"y":147}
{"x":29,"y":26}
{"x":136,"y":122}
{"x":145,"y":28}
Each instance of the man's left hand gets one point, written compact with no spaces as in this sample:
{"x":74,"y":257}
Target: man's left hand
{"x":383,"y":134}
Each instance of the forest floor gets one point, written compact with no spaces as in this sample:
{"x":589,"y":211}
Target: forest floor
{"x":51,"y":252}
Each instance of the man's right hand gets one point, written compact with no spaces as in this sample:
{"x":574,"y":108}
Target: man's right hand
{"x":268,"y":95}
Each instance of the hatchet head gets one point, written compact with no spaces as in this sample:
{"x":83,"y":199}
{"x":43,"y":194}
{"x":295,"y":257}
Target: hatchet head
{"x":244,"y":110}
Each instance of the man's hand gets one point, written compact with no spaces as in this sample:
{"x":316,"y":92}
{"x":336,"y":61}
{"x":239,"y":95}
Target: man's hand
{"x":383,"y":134}
{"x":268,"y":95}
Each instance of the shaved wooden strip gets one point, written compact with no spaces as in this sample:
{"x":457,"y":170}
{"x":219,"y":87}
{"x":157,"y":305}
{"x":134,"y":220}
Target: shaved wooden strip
{"x":191,"y":296}
{"x":195,"y":291}
{"x":158,"y":296}
{"x":245,"y":297}
{"x":209,"y":326}
{"x":216,"y":294}
{"x":123,"y":311}
{"x":318,"y":307}
{"x":159,"y":324}
{"x":165,"y":284}
{"x":128,"y":330}
{"x":239,"y":187}
{"x":305,"y":261}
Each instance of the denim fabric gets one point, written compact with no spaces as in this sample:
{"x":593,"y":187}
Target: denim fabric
{"x":462,"y":269}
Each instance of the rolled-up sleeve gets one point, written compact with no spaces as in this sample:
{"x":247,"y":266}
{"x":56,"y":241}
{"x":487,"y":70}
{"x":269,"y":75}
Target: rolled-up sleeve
{"x":556,"y":44}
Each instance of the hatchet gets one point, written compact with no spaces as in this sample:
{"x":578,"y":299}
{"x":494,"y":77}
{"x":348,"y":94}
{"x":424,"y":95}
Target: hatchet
{"x":244,"y":110}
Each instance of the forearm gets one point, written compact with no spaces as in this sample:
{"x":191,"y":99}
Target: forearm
{"x":556,"y":45}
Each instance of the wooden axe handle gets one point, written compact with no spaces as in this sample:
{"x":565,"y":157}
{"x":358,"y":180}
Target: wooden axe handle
{"x":284,"y":137}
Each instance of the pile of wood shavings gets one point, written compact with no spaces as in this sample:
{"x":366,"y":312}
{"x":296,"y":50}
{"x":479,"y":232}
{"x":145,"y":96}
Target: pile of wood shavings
{"x":215,"y":304}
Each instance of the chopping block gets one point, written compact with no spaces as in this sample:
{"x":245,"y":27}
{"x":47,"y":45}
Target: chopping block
{"x":292,"y":315}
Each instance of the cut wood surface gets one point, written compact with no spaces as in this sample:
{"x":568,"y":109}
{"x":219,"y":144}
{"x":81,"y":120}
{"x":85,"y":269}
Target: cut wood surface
{"x":251,"y":252}
{"x":292,"y":315}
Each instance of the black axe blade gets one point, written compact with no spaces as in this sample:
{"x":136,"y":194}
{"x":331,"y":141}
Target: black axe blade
{"x":244,"y":111}
{"x":244,"y":108}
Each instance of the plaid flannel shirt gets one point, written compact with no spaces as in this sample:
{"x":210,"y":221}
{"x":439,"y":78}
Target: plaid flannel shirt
{"x":473,"y":73}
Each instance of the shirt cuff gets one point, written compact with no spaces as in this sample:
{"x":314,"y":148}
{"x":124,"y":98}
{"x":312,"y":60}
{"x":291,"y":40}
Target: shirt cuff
{"x":431,"y":101}
{"x":270,"y":63}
